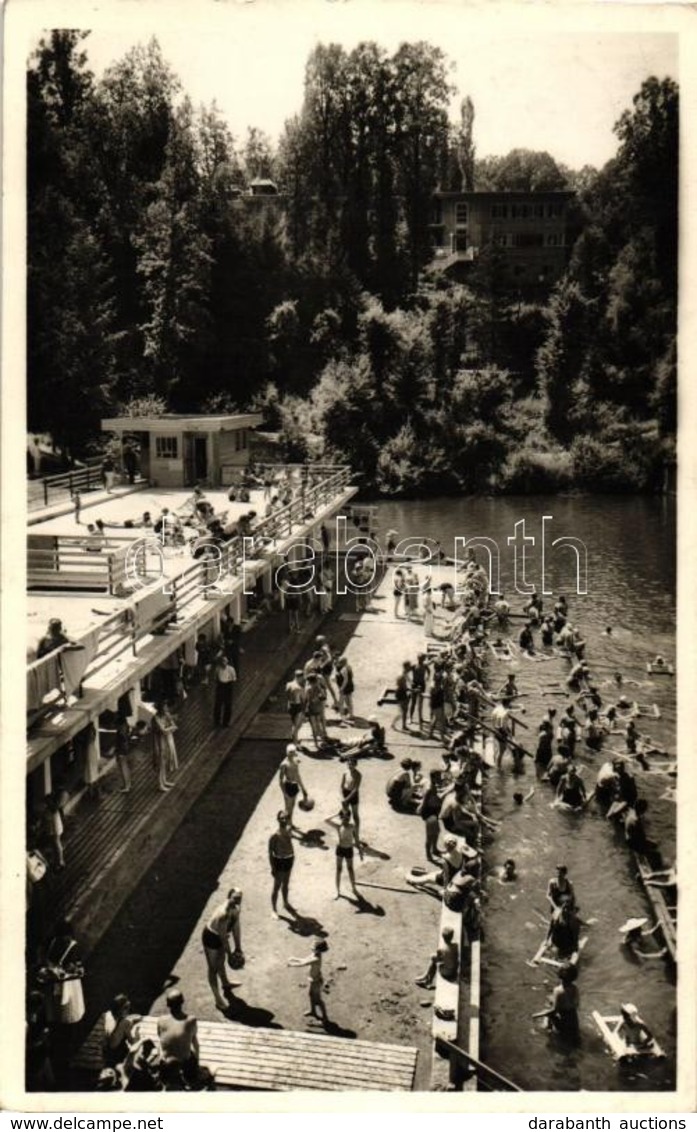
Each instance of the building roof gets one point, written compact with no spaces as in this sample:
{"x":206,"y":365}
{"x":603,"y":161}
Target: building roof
{"x":182,"y":422}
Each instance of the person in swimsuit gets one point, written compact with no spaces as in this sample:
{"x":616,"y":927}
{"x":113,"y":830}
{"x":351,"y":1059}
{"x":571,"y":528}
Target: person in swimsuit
{"x":571,"y":791}
{"x":178,"y":1034}
{"x":560,"y":886}
{"x":402,"y":694}
{"x":119,"y":1025}
{"x":326,"y":667}
{"x":281,"y":860}
{"x":348,"y":839}
{"x":314,"y":962}
{"x":290,"y":781}
{"x":295,"y":699}
{"x":224,"y":921}
{"x":565,"y":928}
{"x":350,"y":791}
{"x":632,"y":1030}
{"x":419,"y":675}
{"x":446,"y":960}
{"x":563,"y":1015}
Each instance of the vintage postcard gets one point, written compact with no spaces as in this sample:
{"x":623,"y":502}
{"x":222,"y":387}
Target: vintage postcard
{"x":347,"y":477}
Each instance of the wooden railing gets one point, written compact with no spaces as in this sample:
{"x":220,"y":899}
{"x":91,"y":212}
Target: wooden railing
{"x":65,"y":483}
{"x":77,"y":562}
{"x":124,"y":630}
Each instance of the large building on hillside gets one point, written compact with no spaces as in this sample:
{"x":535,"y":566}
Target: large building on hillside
{"x":531,"y":229}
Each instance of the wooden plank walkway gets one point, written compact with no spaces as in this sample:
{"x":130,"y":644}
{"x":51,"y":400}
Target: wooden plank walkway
{"x":280,"y":1060}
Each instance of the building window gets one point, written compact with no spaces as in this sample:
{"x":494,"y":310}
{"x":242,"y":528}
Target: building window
{"x":538,"y":210}
{"x":520,"y":211}
{"x":499,"y":211}
{"x":461,"y":212}
{"x":555,"y":240}
{"x":167,"y":447}
{"x":554,"y":210}
{"x":528,"y":240}
{"x":240,"y":440}
{"x":502,"y":239}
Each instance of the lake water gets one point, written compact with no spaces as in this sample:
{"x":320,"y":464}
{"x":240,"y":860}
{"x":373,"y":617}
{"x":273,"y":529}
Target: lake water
{"x":631,"y":555}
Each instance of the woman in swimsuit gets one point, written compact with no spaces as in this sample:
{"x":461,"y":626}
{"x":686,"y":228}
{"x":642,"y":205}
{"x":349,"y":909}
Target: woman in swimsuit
{"x":216,"y":945}
{"x":290,"y":781}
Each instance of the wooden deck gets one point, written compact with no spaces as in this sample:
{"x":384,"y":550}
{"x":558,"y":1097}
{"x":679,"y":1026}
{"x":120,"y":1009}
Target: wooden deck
{"x":281,"y":1060}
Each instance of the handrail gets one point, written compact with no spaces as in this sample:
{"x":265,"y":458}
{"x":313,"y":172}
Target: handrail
{"x":481,"y":1069}
{"x":88,"y":476}
{"x":119,"y":632}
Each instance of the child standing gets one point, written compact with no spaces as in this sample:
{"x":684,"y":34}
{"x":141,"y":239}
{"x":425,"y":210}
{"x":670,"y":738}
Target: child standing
{"x":314,"y":962}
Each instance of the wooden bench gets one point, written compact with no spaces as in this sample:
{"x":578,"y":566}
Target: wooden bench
{"x":280,"y":1060}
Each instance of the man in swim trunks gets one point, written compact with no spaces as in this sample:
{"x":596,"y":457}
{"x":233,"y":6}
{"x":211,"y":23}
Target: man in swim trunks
{"x":178,"y":1035}
{"x":290,"y":781}
{"x":633,"y":1030}
{"x":526,"y":641}
{"x":281,"y":860}
{"x":503,"y":725}
{"x":224,"y":921}
{"x":295,"y":699}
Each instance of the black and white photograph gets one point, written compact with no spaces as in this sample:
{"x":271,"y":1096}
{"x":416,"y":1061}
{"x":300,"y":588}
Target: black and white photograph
{"x":341,"y":378}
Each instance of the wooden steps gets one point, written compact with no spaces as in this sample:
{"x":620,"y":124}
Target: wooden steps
{"x":281,"y":1060}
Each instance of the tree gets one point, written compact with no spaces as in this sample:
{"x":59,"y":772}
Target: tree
{"x":521,"y":169}
{"x":72,"y":339}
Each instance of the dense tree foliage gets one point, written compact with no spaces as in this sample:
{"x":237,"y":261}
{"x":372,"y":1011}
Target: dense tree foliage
{"x":157,"y":277}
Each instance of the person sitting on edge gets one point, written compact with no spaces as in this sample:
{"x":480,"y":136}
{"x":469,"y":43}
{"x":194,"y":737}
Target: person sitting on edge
{"x":446,"y":960}
{"x":558,"y":765}
{"x":178,"y":1034}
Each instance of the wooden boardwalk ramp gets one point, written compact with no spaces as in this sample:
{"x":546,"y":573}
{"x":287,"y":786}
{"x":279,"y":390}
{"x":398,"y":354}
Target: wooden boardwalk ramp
{"x":284,"y":1060}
